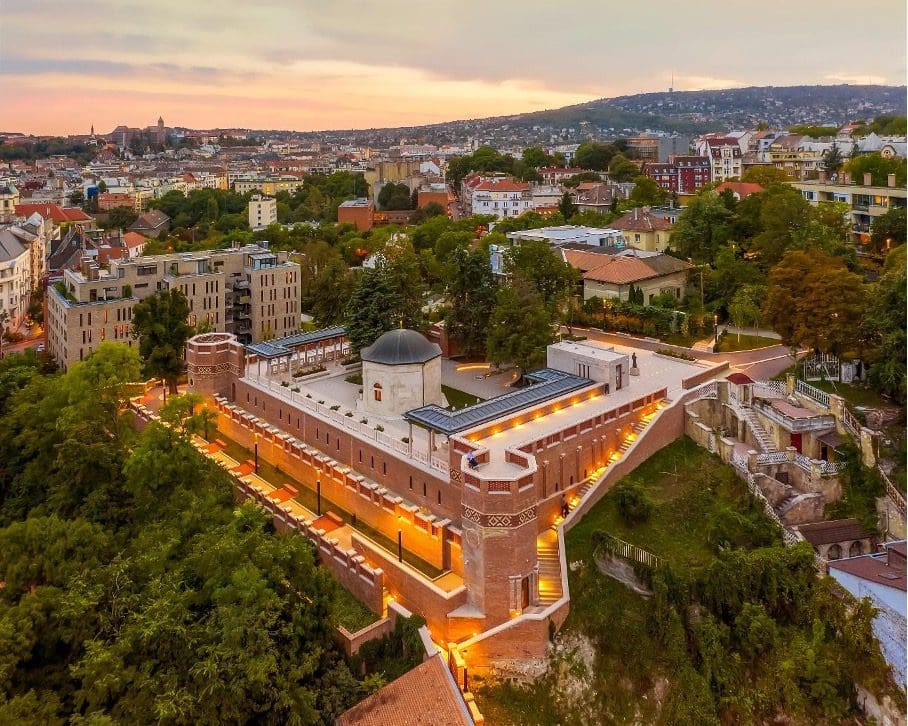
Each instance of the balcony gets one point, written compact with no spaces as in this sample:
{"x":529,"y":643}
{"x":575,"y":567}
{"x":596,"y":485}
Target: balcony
{"x":794,"y":418}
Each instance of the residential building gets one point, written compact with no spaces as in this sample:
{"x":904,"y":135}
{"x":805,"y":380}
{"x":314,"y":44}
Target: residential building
{"x":597,"y":197}
{"x":112,"y":200}
{"x":249,"y":291}
{"x":437,"y":193}
{"x":262,"y":211}
{"x":9,"y":198}
{"x":556,"y":237}
{"x":152,"y":224}
{"x":557,"y":174}
{"x":609,"y":273}
{"x":501,"y":197}
{"x":644,"y":229}
{"x":357,"y":212}
{"x":643,"y":148}
{"x":22,"y":254}
{"x":57,"y":214}
{"x":725,"y":157}
{"x":881,"y":578}
{"x":681,"y":174}
{"x":866,"y":202}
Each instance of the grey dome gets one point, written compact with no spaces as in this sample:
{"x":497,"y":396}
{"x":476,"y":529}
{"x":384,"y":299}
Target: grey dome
{"x":400,"y":347}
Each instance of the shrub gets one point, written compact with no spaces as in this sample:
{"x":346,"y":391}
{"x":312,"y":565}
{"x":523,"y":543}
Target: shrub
{"x":335,"y":407}
{"x":379,"y":428}
{"x":675,"y":354}
{"x":633,"y":504}
{"x":349,"y":414}
{"x":364,"y":420}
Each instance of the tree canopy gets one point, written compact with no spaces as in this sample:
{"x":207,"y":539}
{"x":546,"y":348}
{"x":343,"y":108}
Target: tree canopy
{"x":160,"y":323}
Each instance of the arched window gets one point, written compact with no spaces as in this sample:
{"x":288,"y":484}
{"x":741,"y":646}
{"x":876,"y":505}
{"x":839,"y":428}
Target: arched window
{"x":856,"y":549}
{"x":376,"y":391}
{"x":834,"y":553}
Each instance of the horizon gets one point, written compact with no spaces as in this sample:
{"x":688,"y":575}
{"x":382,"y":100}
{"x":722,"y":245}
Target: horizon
{"x":140,"y":124}
{"x":310,"y":68}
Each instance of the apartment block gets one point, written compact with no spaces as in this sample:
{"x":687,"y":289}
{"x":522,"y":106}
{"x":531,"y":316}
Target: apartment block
{"x":866,"y":202}
{"x":249,"y":291}
{"x":262,"y":211}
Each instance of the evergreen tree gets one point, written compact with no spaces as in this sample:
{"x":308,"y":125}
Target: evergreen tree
{"x":160,"y":324}
{"x":471,"y":288}
{"x":566,"y":206}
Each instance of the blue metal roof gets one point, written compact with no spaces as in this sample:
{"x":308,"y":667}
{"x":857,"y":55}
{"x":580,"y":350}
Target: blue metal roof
{"x":547,"y":384}
{"x":284,"y":346}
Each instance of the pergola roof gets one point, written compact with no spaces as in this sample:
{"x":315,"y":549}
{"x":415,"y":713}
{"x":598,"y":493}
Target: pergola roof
{"x":284,"y":346}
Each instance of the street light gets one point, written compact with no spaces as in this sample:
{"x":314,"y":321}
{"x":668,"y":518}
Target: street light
{"x":716,"y":332}
{"x":318,"y":496}
{"x":256,"y":439}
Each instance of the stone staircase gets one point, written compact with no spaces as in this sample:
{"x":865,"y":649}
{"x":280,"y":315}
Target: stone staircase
{"x":759,"y":433}
{"x":549,"y":567}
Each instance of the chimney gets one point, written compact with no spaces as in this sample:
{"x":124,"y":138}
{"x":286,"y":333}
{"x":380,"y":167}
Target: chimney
{"x":868,"y":179}
{"x":890,"y":181}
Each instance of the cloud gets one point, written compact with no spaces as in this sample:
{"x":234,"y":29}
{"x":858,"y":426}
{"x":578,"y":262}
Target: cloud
{"x":856,"y":78}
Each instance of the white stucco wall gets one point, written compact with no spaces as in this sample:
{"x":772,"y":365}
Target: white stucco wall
{"x":403,"y":387}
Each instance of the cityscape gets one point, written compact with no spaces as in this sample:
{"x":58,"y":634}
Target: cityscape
{"x":367,"y":366}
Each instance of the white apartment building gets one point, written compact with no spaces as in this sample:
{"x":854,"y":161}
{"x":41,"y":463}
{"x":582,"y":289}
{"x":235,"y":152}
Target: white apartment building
{"x":22,"y":265}
{"x":249,"y":291}
{"x":501,"y":198}
{"x":725,"y":157}
{"x":262,"y":211}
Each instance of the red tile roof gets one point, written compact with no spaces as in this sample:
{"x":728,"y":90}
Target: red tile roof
{"x":740,"y":189}
{"x":886,"y":570}
{"x":738,"y":378}
{"x":833,"y":531}
{"x":54,"y":212}
{"x":424,"y":696}
{"x":134,"y":239}
{"x":641,"y":219}
{"x":620,"y":271}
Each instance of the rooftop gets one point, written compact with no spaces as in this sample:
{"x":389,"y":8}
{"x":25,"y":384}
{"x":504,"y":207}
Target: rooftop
{"x":833,"y":531}
{"x":886,"y":568}
{"x":278,"y":347}
{"x":547,"y":384}
{"x":361,"y":202}
{"x":425,"y":695}
{"x":590,"y":349}
{"x":400,"y":347}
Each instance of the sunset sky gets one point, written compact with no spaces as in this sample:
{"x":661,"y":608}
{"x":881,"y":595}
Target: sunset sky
{"x":323,"y":64}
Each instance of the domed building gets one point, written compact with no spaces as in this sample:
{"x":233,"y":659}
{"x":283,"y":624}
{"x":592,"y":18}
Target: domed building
{"x":401,"y":371}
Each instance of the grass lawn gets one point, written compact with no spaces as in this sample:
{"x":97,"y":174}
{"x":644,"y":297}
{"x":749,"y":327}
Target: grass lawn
{"x":686,"y":484}
{"x":459,"y":399}
{"x":349,"y":612}
{"x":729,"y":342}
{"x":854,"y":395}
{"x":685,"y":341}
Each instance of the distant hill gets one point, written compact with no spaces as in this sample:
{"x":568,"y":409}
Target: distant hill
{"x":733,"y":107}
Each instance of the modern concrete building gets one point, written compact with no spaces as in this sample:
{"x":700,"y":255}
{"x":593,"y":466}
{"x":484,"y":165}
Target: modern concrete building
{"x":865,"y":201}
{"x":262,"y":211}
{"x":249,"y":291}
{"x":589,"y":359}
{"x":556,"y":236}
{"x":358,"y":212}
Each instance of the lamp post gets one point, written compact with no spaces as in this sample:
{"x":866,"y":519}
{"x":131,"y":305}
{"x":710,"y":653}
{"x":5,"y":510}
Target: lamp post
{"x":256,"y":439}
{"x":716,"y":332}
{"x":400,"y":545}
{"x":318,"y":496}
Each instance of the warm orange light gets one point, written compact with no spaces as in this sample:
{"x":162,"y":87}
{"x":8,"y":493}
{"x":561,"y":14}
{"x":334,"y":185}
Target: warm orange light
{"x":474,"y":367}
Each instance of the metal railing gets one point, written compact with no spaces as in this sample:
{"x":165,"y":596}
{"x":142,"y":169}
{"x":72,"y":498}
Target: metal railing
{"x":852,"y":424}
{"x":628,"y":551}
{"x":770,"y":389}
{"x":772,"y":457}
{"x":894,"y":494}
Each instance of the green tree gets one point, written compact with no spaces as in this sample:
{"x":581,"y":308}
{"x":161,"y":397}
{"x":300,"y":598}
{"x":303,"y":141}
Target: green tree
{"x":594,"y":155}
{"x":471,"y":289}
{"x":744,"y":308}
{"x":535,"y":156}
{"x":120,"y":218}
{"x":621,"y":169}
{"x":647,"y":192}
{"x":885,"y":325}
{"x":394,"y":196}
{"x":764,"y":175}
{"x":783,"y":213}
{"x":889,"y":229}
{"x":833,"y":159}
{"x":520,"y":327}
{"x":160,"y":323}
{"x":702,"y":228}
{"x":566,"y":206}
{"x":878,"y":168}
{"x":536,"y":263}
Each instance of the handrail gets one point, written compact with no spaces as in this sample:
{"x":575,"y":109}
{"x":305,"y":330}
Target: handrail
{"x":816,"y":394}
{"x":894,"y":494}
{"x":628,"y":551}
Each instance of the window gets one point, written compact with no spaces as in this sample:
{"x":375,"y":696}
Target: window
{"x":376,"y":391}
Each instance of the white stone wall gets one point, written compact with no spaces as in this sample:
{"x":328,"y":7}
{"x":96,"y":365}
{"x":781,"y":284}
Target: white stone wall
{"x":599,"y":370}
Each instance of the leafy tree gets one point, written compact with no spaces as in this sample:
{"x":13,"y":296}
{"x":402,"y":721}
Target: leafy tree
{"x":702,"y":228}
{"x":878,"y":168}
{"x":535,"y":156}
{"x":432,"y":209}
{"x":594,"y":155}
{"x":885,"y":325}
{"x":536,"y":263}
{"x":783,"y":212}
{"x":394,"y":196}
{"x":120,"y":218}
{"x":744,"y":308}
{"x":160,"y":323}
{"x":566,"y":206}
{"x":76,"y":198}
{"x":647,"y":192}
{"x":833,"y":160}
{"x":889,"y":230}
{"x":633,"y":504}
{"x":621,"y":169}
{"x":520,"y":327}
{"x":815,"y":301}
{"x":764,"y":175}
{"x":471,"y":289}
{"x":370,"y":312}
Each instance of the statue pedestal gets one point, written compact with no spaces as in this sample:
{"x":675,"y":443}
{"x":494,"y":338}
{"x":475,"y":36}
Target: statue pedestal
{"x":634,"y":371}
